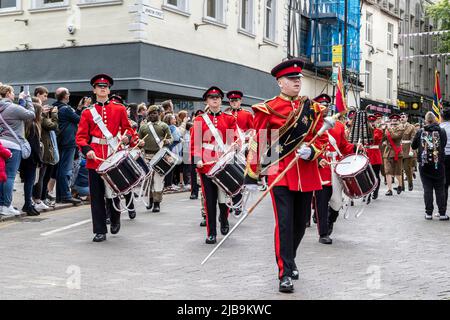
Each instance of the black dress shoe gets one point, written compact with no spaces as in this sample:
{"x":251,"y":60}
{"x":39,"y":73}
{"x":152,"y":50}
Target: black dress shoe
{"x":31,"y":211}
{"x":132,"y":214}
{"x":193,"y":197}
{"x":72,"y":201}
{"x":224,"y":227}
{"x":211,"y":240}
{"x":203,"y":223}
{"x":156,"y":207}
{"x":325,"y":240}
{"x":115,"y":228}
{"x":399,"y":189}
{"x":295,"y":274}
{"x":375,"y":195}
{"x":410,"y":187}
{"x":108,"y":221}
{"x":388,"y":193}
{"x":286,"y":285}
{"x":99,"y":237}
{"x":150,"y":205}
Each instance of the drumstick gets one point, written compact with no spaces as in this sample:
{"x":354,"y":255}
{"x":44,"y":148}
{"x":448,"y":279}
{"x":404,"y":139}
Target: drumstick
{"x":357,"y":149}
{"x":137,"y":144}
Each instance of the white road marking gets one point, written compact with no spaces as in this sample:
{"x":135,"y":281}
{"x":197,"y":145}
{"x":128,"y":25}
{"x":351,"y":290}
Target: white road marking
{"x":66,"y":227}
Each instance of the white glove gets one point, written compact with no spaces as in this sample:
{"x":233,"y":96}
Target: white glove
{"x":304,"y":152}
{"x":251,"y":187}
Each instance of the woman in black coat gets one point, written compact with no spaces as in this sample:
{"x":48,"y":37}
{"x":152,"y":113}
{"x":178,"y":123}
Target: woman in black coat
{"x":430,"y":142}
{"x":28,"y":166}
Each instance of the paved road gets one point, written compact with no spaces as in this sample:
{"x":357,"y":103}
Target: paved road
{"x":389,"y":252}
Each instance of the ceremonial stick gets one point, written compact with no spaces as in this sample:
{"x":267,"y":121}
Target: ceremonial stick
{"x":327,"y":125}
{"x":137,"y":144}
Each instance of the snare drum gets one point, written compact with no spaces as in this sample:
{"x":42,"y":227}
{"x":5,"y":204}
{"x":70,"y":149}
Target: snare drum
{"x":137,"y":156}
{"x":356,"y":175}
{"x":164,"y":161}
{"x":121,"y":172}
{"x":228,"y":173}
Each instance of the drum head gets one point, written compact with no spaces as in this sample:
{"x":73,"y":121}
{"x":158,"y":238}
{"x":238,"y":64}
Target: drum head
{"x":351,"y":164}
{"x":112,"y":161}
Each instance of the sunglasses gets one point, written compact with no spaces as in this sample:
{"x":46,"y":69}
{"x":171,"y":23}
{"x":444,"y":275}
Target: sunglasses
{"x":101,"y":85}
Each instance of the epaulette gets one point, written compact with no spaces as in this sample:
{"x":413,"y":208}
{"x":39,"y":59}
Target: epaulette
{"x":228,"y":113}
{"x":115,"y":102}
{"x":261,"y":107}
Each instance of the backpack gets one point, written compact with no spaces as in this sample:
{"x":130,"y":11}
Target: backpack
{"x":430,"y":142}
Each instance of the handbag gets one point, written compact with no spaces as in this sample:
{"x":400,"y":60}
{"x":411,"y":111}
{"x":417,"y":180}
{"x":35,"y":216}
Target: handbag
{"x":24,"y":144}
{"x":53,"y":139}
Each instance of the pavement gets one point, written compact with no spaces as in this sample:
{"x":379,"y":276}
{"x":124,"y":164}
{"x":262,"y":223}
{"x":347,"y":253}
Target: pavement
{"x":389,"y":252}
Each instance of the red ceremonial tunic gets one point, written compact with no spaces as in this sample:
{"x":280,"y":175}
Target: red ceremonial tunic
{"x":114,"y":115}
{"x":304,"y":175}
{"x":373,"y":150}
{"x":204,"y":145}
{"x":345,"y":147}
{"x":244,"y":118}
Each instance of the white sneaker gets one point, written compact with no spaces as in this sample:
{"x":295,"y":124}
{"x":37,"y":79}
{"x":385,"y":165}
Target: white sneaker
{"x":41,"y":206}
{"x":10,"y":211}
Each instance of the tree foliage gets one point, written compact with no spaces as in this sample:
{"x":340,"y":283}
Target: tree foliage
{"x":440,"y":12}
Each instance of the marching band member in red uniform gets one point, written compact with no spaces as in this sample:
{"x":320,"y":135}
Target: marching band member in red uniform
{"x":95,"y":146}
{"x":291,"y":196}
{"x":337,"y":147}
{"x":244,"y":122}
{"x":374,"y":153}
{"x":209,"y":141}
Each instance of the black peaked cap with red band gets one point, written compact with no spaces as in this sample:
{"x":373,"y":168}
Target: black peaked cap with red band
{"x":351,"y":114}
{"x":117,"y":98}
{"x":289,"y":68}
{"x":323,"y":98}
{"x":394,"y":117}
{"x":102,"y":79}
{"x":235,"y":94}
{"x":372,"y":118}
{"x":378,"y":115}
{"x":213,"y":91}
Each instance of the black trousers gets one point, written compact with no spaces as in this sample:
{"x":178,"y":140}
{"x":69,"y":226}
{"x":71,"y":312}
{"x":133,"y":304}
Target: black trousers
{"x":211,"y":196}
{"x":436,"y":184}
{"x":99,"y":205}
{"x":321,"y":205}
{"x":194,"y":184}
{"x":377,"y":168}
{"x":292,"y":209}
{"x":447,"y":176}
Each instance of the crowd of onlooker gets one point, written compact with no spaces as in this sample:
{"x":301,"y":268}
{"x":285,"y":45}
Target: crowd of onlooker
{"x":37,"y":140}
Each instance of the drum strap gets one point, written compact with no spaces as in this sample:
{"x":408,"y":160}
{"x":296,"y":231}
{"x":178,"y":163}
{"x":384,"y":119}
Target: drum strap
{"x":108,"y":135}
{"x":214,"y":132}
{"x":152,"y":130}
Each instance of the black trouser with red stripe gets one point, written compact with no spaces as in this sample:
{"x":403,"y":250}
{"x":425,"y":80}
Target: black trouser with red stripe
{"x":100,"y":205}
{"x":292,"y":209}
{"x":211,"y":195}
{"x":321,"y":208}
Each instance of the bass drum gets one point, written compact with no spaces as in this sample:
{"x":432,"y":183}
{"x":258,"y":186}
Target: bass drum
{"x":121,"y":172}
{"x":356,"y":175}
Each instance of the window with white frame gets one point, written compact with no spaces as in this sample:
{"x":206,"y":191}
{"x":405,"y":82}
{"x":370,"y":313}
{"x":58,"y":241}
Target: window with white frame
{"x":390,"y":37}
{"x":270,"y":12}
{"x":9,"y":5}
{"x":215,"y":10}
{"x":41,"y":4}
{"x":181,"y":5}
{"x":389,"y":83}
{"x":368,"y":82}
{"x":93,"y":2}
{"x":369,"y":26}
{"x":246,"y":19}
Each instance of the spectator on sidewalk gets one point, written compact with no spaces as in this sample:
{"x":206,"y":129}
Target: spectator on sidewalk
{"x":171,"y":121}
{"x":167,"y":108}
{"x":446,"y":126}
{"x":50,"y":157}
{"x":430,"y":142}
{"x":80,"y":188}
{"x":5,"y":154}
{"x":28,"y":166}
{"x":12,"y":117}
{"x":142,"y":113}
{"x":68,"y":125}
